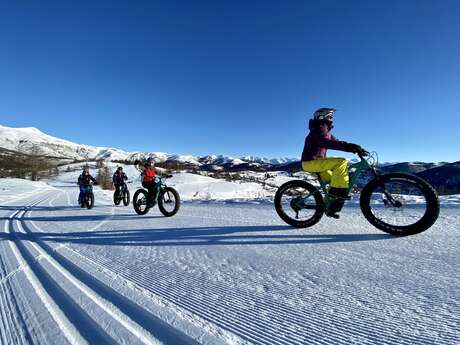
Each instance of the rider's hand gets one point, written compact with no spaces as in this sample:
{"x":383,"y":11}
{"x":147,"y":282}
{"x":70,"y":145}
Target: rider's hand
{"x":364,"y":152}
{"x":358,"y":149}
{"x":355,"y":148}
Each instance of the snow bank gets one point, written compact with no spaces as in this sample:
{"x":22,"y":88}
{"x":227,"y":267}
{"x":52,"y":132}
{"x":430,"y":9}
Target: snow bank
{"x":15,"y":188}
{"x":197,"y":187}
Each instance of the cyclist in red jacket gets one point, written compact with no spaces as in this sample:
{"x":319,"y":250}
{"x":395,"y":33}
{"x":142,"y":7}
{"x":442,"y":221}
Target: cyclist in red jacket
{"x":148,"y":181}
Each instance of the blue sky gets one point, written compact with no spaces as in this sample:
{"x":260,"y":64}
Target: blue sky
{"x":235,"y":77}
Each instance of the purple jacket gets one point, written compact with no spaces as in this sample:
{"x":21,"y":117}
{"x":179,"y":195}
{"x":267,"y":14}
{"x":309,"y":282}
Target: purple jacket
{"x":320,"y":139}
{"x":119,"y":178}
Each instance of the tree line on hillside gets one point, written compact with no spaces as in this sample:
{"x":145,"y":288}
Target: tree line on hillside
{"x":13,"y":164}
{"x":35,"y":167}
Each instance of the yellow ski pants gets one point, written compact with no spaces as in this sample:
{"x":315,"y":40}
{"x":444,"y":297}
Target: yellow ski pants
{"x":333,"y":170}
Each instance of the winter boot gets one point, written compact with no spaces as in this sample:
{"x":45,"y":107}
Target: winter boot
{"x":338,"y":197}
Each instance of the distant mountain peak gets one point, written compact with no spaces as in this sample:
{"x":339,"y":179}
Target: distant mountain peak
{"x":28,"y":139}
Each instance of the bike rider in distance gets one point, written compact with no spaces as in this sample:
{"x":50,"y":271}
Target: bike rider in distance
{"x":332,"y":170}
{"x":148,"y":175}
{"x":118,"y":179}
{"x":84,"y":181}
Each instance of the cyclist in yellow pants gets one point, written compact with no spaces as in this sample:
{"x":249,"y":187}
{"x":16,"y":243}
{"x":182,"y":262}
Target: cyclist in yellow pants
{"x":333,"y":170}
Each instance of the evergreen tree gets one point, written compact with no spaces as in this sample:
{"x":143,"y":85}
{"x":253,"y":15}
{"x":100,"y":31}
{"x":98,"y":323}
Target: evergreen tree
{"x":104,"y":178}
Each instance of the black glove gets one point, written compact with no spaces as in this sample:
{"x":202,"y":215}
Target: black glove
{"x":358,"y":149}
{"x":354,"y":148}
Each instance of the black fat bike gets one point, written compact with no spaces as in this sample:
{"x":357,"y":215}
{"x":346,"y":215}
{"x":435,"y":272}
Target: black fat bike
{"x":86,"y":198}
{"x":122,"y":195}
{"x":396,"y":203}
{"x":167,"y":198}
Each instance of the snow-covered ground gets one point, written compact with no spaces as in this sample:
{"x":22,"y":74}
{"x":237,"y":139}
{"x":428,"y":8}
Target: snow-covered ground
{"x":190,"y":186}
{"x":217,"y":273}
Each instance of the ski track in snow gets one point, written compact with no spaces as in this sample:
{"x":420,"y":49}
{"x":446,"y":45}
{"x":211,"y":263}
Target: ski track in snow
{"x":228,"y":274}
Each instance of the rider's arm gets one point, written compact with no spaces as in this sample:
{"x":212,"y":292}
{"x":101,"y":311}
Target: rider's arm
{"x":331,"y":142}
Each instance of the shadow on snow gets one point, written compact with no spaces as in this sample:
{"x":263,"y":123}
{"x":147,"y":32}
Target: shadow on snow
{"x":196,"y":236}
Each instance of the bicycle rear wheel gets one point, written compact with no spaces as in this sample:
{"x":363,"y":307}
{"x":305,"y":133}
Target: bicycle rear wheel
{"x":299,"y":203}
{"x":400,"y":204}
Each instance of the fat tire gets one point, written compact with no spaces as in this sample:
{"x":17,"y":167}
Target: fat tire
{"x":318,"y":199}
{"x":428,"y":219}
{"x":90,"y":200}
{"x":116,"y":199}
{"x":135,"y":205}
{"x":126,"y":197}
{"x":160,"y":202}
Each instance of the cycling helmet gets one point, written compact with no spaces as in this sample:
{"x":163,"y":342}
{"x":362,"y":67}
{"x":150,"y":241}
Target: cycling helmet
{"x":323,"y":113}
{"x":149,"y":161}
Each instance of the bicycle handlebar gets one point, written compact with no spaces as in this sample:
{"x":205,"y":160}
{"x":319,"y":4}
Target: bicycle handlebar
{"x":362,"y":154}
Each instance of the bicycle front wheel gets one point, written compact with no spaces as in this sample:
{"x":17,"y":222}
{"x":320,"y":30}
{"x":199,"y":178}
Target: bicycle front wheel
{"x":89,"y":200}
{"x":126,"y":197}
{"x":116,"y":198}
{"x":169,"y":202}
{"x":400,"y":204}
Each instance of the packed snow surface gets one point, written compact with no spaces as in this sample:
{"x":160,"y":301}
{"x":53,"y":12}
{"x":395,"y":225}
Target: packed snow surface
{"x":216,"y":273}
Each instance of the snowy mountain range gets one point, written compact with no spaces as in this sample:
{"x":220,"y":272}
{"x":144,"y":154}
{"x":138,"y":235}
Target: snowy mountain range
{"x":443,"y":176}
{"x":31,"y":140}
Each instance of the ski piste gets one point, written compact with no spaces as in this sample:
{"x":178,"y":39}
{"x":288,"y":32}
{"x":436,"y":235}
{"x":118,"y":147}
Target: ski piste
{"x":217,"y":273}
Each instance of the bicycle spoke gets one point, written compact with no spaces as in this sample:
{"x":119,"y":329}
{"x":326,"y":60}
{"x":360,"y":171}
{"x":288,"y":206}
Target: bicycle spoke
{"x":405,"y":205}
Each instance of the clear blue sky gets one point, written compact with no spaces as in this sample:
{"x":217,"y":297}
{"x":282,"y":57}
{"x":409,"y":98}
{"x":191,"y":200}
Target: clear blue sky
{"x":235,"y":77}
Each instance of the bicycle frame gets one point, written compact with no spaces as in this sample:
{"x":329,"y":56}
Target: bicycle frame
{"x":85,"y":189}
{"x":160,"y":185}
{"x":357,"y":168}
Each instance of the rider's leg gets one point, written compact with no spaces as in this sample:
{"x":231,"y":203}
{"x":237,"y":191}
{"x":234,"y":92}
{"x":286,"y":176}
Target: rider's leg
{"x":339,"y":179}
{"x":326,"y":176}
{"x":336,"y":165}
{"x":150,"y":186}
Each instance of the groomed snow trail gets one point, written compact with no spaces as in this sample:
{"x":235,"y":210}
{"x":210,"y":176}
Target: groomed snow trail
{"x":219,"y":274}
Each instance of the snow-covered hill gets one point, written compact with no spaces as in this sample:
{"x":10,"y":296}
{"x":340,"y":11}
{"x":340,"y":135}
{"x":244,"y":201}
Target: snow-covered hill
{"x":444,"y":176}
{"x":189,"y":186}
{"x":31,"y":140}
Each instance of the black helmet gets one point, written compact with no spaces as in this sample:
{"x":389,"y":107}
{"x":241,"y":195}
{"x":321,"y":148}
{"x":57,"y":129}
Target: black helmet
{"x":323,"y":113}
{"x":85,"y":171}
{"x":120,"y":169}
{"x":149,"y":161}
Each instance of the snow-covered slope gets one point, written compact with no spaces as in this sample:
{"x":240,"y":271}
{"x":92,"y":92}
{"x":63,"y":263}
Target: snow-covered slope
{"x":32,"y":141}
{"x":189,"y":186}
